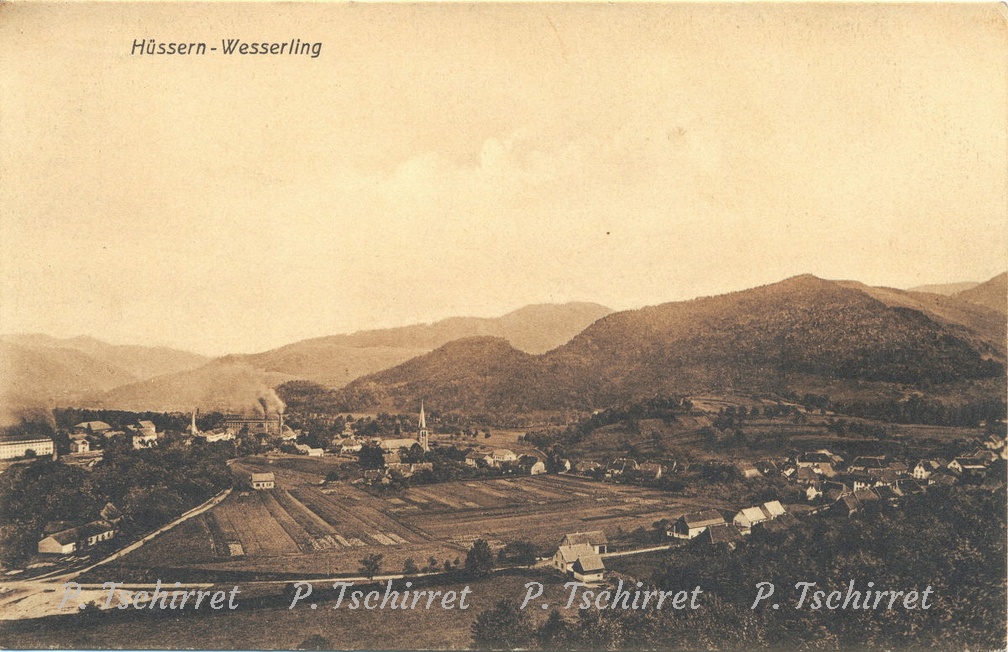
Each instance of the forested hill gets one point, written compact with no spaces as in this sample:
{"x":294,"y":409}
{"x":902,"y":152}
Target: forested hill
{"x":801,"y":334}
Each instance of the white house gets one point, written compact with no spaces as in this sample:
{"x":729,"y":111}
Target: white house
{"x":502,"y":456}
{"x":588,"y":569}
{"x":80,"y":445}
{"x":263,"y":480}
{"x":689,"y":526}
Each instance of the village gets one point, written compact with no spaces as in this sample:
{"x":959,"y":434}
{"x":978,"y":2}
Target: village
{"x":292,"y":497}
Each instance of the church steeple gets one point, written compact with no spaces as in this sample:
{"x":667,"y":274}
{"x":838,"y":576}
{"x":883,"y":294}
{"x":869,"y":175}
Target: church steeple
{"x":423,"y":429}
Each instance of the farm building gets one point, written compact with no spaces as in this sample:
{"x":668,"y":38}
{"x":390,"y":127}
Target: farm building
{"x":92,"y":428}
{"x":78,"y":538}
{"x":596,"y":539}
{"x":727,"y":535}
{"x":308,"y":450}
{"x":14,"y":448}
{"x":475,"y":458}
{"x":80,"y":445}
{"x":502,"y":456}
{"x":565,"y":556}
{"x":750,"y":516}
{"x":689,"y":526}
{"x":588,"y":569}
{"x":530,"y":465}
{"x":263,"y":480}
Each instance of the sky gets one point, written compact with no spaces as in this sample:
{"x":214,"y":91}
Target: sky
{"x":457,"y":159}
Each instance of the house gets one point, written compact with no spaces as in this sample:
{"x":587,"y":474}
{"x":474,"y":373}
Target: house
{"x":502,"y":456}
{"x":391,"y":460}
{"x":651,"y":470}
{"x":813,"y":491}
{"x":781,"y":523}
{"x":74,"y":539}
{"x":727,"y":535}
{"x":587,"y":467}
{"x":92,"y":428}
{"x":806,"y":476}
{"x":350,"y":445}
{"x":530,"y":465}
{"x":748,"y":517}
{"x":589,"y":569}
{"x":563,"y":465}
{"x":865,"y":496}
{"x":924,"y":469}
{"x":80,"y":445}
{"x":596,"y":539}
{"x":393,"y":445}
{"x":34,"y":447}
{"x":909,"y":487}
{"x":968,"y":466}
{"x":994,"y":443}
{"x":889,"y":494}
{"x":59,"y":543}
{"x":308,"y":450}
{"x":263,"y":480}
{"x":943,"y":477}
{"x":372,"y":475}
{"x":565,"y":556}
{"x":621,"y":465}
{"x":884,"y":477}
{"x":475,"y":458}
{"x":846,"y":505}
{"x":865,"y":463}
{"x":218,"y":434}
{"x":692,"y":525}
{"x":749,"y":471}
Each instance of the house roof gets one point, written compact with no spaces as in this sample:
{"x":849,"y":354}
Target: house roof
{"x":476,"y":455}
{"x":147,"y":425}
{"x":63,"y":537}
{"x":263,"y":477}
{"x":866,"y":495}
{"x":589,"y":564}
{"x":702,"y":518}
{"x":726,"y":533}
{"x":396,"y":444}
{"x":593,"y":538}
{"x":849,"y":501}
{"x":752,"y":514}
{"x":573,"y":553}
{"x":503,"y":452}
{"x":94,"y":425}
{"x":774,"y":508}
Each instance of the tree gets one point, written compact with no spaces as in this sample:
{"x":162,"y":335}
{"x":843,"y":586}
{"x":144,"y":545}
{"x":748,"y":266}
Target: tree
{"x":502,"y":627}
{"x":410,"y":567}
{"x":480,"y":559}
{"x":371,"y":565}
{"x":520,"y":553}
{"x":371,"y":457}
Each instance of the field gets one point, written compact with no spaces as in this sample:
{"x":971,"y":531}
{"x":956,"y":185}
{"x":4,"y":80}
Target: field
{"x":306,"y":528}
{"x":257,"y":627}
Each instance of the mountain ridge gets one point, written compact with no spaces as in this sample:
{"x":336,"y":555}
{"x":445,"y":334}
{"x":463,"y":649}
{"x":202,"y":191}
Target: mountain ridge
{"x":765,"y":339}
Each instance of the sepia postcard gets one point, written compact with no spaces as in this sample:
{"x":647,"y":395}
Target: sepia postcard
{"x":516,"y":326}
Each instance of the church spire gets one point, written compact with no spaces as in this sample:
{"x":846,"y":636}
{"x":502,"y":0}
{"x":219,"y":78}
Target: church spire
{"x":423,"y":430}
